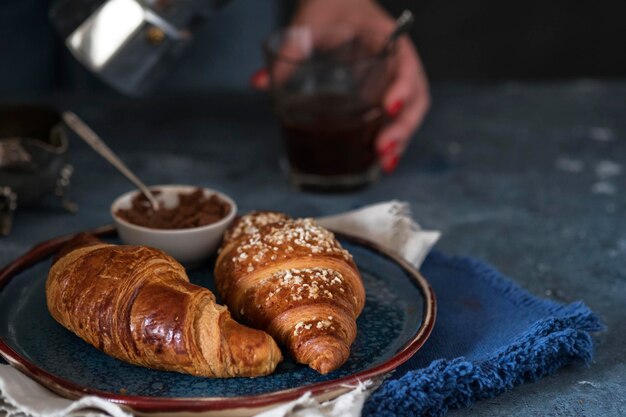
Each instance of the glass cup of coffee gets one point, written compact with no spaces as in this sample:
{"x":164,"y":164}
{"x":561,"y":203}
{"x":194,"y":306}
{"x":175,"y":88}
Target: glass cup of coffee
{"x":327,"y":88}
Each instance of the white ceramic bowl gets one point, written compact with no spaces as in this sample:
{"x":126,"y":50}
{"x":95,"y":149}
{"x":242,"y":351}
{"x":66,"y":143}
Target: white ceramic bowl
{"x":188,"y":246}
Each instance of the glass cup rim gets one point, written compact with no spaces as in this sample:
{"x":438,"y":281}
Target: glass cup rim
{"x":375,"y":57}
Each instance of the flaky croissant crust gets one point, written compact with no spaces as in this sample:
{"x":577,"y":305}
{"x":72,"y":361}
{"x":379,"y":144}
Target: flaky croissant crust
{"x":137,"y":304}
{"x":293,"y":279}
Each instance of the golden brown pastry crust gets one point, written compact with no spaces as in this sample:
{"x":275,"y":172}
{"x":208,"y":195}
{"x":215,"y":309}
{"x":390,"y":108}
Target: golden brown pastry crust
{"x":293,"y":279}
{"x":137,"y":304}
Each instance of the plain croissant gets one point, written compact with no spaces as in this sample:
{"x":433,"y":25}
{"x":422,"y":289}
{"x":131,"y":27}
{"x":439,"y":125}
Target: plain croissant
{"x":292,"y":278}
{"x":136,"y":304}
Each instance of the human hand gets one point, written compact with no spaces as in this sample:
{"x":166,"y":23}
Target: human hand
{"x":407,"y":98}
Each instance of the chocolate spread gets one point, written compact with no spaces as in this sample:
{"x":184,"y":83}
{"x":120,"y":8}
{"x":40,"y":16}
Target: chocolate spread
{"x":194,"y":209}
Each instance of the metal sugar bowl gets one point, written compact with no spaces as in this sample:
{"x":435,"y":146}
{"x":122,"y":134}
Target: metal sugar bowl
{"x":33,"y":149}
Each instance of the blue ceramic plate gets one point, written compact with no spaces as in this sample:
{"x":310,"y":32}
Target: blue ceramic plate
{"x":398,"y":317}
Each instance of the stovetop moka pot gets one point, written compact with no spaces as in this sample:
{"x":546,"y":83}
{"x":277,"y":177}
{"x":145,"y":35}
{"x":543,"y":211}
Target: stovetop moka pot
{"x":129,"y":43}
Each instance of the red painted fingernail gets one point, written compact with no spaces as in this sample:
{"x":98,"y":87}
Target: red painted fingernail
{"x":391,"y":165}
{"x":395,"y":108}
{"x":259,"y":78}
{"x":387,"y":148}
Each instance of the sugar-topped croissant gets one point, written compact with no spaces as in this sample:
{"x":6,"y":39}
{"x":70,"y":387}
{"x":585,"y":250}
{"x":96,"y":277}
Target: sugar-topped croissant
{"x":137,"y":304}
{"x":292,"y":278}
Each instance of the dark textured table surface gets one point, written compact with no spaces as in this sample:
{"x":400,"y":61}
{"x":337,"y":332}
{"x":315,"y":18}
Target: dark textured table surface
{"x":528,"y":176}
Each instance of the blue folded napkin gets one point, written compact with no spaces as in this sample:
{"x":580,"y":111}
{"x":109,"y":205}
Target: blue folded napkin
{"x":490,"y":336}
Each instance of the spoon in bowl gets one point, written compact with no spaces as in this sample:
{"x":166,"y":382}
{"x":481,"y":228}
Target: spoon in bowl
{"x":98,"y":145}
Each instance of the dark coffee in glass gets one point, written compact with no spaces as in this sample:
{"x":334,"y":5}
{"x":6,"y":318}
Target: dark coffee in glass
{"x":327,"y":92}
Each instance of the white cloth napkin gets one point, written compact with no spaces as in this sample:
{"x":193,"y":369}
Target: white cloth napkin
{"x":389,"y":224}
{"x":20,"y":396}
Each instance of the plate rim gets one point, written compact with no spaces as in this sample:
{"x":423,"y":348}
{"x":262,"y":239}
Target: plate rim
{"x":149,"y":404}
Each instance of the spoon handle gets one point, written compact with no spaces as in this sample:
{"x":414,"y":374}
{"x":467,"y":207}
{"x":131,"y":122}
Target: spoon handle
{"x":98,"y":145}
{"x":403,"y":24}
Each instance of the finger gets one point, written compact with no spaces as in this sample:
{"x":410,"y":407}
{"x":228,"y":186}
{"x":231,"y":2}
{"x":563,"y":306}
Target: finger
{"x":283,"y":58}
{"x":260,"y":80}
{"x":303,"y":41}
{"x":409,"y":100}
{"x":298,"y":46}
{"x":394,"y":138}
{"x":389,"y":163}
{"x":409,"y":74}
